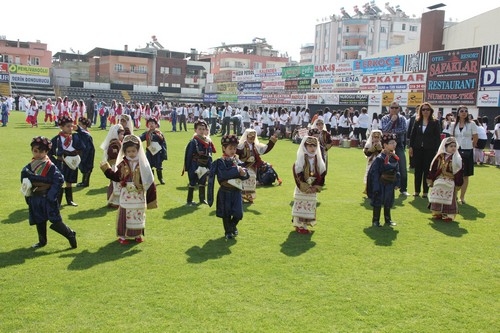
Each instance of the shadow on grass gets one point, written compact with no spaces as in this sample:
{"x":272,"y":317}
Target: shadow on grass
{"x":383,"y":236}
{"x":212,"y":249}
{"x":421,"y":204}
{"x":470,"y":213}
{"x":297,"y":244}
{"x":247,"y":209}
{"x":96,"y":191}
{"x":451,"y":229}
{"x":91,"y":213}
{"x":17,"y":216}
{"x":19,"y":256}
{"x":176,"y":212}
{"x":110,"y":252}
{"x":366,"y":203}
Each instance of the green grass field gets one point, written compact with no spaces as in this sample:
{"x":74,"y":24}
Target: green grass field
{"x":421,"y":276}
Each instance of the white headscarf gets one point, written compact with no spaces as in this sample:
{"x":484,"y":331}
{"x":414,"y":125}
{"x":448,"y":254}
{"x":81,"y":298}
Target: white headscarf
{"x":315,"y":123}
{"x":302,"y":153}
{"x":261,"y":148}
{"x":112,"y":135}
{"x":147,"y":177}
{"x":369,"y":142}
{"x":456,"y":162}
{"x":130,"y":124}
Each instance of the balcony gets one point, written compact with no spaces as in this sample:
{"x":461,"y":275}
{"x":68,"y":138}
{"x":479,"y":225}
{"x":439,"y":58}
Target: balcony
{"x":353,"y":47}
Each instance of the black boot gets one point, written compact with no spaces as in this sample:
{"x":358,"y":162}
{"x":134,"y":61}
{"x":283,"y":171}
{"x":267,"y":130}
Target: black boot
{"x":387,"y":217}
{"x":66,"y":231}
{"x":41,"y":229}
{"x":160,"y":176}
{"x":69,"y":196}
{"x":84,"y":180}
{"x":59,"y":197}
{"x":190,"y":196}
{"x":234,"y":223}
{"x":228,"y":228}
{"x":201,"y":195}
{"x":376,"y":216}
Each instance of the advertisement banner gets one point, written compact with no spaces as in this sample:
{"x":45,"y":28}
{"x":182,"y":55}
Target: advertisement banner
{"x":38,"y":80}
{"x":490,"y":77}
{"x":249,"y":86}
{"x":4,"y":78}
{"x":246,"y":75}
{"x":306,"y":71}
{"x":453,"y":77}
{"x":29,"y":70}
{"x":267,"y":73}
{"x":379,"y":65}
{"x":488,"y":98}
{"x":273,"y":85}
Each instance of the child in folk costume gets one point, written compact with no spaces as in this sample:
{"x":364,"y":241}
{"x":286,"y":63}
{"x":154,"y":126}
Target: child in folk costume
{"x":42,"y":182}
{"x":31,"y":113}
{"x":309,"y":172}
{"x":111,"y":147}
{"x":58,"y":109}
{"x":319,"y":130}
{"x":445,"y":177}
{"x":249,"y":151}
{"x":74,"y":110}
{"x":229,"y":174}
{"x":87,"y":164}
{"x":383,"y":179}
{"x":137,"y":115}
{"x":197,"y":161}
{"x":49,"y":111}
{"x":66,"y":107}
{"x":103,"y":115}
{"x":373,"y":147}
{"x":65,"y":153}
{"x":112,"y":112}
{"x":156,"y":147}
{"x":137,"y":189}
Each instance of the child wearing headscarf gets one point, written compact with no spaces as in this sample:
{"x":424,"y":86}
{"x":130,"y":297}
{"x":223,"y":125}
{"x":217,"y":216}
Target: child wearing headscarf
{"x":445,"y":178}
{"x":137,"y":189}
{"x":373,"y":147}
{"x":309,"y":172}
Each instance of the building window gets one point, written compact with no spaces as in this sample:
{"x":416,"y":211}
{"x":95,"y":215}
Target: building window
{"x":142,"y":69}
{"x":176,"y":71}
{"x":35,"y":61}
{"x":176,"y":85}
{"x":347,"y":29}
{"x":132,"y":68}
{"x":413,"y":28}
{"x":403,"y":26}
{"x":164,"y":70}
{"x":118,"y":68}
{"x":383,"y":30}
{"x":257,"y":65}
{"x":18,"y":60}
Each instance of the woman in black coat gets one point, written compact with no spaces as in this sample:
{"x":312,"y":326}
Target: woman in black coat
{"x":425,"y":137}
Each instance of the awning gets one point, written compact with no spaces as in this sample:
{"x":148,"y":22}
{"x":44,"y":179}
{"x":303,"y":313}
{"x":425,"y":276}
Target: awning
{"x":195,"y":67}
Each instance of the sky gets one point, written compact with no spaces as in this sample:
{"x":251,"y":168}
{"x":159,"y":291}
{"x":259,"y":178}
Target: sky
{"x":200,"y":24}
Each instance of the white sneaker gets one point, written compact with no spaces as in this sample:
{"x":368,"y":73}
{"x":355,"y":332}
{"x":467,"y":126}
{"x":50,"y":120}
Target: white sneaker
{"x":405,"y":193}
